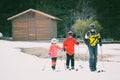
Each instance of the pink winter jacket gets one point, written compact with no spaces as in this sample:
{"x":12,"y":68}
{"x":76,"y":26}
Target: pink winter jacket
{"x":53,"y":50}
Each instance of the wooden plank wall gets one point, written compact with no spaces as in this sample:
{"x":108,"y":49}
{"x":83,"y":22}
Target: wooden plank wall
{"x":43,"y":29}
{"x":20,"y":31}
{"x":34,"y":27}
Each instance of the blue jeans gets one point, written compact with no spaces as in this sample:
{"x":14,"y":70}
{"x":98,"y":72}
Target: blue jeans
{"x":93,"y":57}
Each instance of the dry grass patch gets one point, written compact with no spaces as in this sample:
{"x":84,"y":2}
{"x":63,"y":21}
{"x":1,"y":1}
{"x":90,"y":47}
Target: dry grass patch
{"x":43,"y":53}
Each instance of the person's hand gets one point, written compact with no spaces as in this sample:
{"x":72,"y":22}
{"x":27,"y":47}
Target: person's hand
{"x":49,"y":54}
{"x":100,"y":45}
{"x":77,"y":43}
{"x":63,"y":49}
{"x":88,"y":45}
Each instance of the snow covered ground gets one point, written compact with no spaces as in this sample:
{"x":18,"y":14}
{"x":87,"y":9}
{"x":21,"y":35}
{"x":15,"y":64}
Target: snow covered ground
{"x":15,"y":65}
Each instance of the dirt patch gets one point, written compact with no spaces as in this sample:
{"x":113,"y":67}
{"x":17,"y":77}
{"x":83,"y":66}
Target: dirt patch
{"x":43,"y":53}
{"x":37,"y":51}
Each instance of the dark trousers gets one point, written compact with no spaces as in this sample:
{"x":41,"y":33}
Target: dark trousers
{"x":70,"y":58}
{"x":93,"y":57}
{"x":53,"y":64}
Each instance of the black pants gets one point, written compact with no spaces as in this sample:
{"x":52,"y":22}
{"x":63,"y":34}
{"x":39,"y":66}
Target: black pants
{"x":70,"y":58}
{"x":53,"y":64}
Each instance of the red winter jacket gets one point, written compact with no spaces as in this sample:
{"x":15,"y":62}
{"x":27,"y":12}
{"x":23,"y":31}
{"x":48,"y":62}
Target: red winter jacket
{"x":69,"y":44}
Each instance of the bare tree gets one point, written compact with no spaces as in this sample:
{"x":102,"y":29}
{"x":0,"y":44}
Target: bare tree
{"x":81,"y":16}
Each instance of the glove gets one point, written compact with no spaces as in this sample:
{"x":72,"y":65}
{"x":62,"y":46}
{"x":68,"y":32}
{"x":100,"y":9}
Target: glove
{"x":77,"y":43}
{"x":49,"y":54}
{"x":63,"y":49}
{"x":88,"y":45}
{"x":100,"y":44}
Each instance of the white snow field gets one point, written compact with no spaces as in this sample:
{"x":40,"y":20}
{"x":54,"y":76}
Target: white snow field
{"x":15,"y":65}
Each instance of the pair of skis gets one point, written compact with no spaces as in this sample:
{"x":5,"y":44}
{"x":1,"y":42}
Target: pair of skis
{"x":70,"y":69}
{"x":99,"y":71}
{"x":76,"y":69}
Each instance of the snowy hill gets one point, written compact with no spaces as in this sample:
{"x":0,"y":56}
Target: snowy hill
{"x":15,"y":65}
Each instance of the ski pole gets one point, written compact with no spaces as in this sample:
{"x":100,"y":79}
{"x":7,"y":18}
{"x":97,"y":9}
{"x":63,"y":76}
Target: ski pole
{"x":63,"y":54}
{"x":102,"y":58}
{"x":59,"y":69}
{"x":45,"y":64}
{"x":102,"y":61}
{"x":84,"y":58}
{"x":79,"y":57}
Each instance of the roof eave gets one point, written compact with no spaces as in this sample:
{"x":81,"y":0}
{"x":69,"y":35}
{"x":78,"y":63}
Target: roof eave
{"x":52,"y":17}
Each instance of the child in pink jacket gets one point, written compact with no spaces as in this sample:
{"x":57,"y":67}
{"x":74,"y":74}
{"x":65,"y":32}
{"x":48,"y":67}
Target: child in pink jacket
{"x":53,"y":51}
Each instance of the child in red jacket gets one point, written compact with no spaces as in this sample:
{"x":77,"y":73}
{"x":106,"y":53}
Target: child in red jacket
{"x":68,"y":46}
{"x":53,"y":52}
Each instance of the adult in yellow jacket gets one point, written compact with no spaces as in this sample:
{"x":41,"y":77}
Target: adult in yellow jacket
{"x":91,"y":39}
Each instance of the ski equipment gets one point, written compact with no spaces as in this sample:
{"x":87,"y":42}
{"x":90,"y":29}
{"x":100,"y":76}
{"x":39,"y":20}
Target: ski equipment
{"x":102,"y":62}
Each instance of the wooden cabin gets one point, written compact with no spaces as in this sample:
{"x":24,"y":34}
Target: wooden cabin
{"x":33,"y":25}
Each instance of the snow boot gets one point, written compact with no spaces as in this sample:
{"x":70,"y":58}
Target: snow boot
{"x":92,"y":69}
{"x":67,"y":67}
{"x":53,"y":68}
{"x":72,"y":68}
